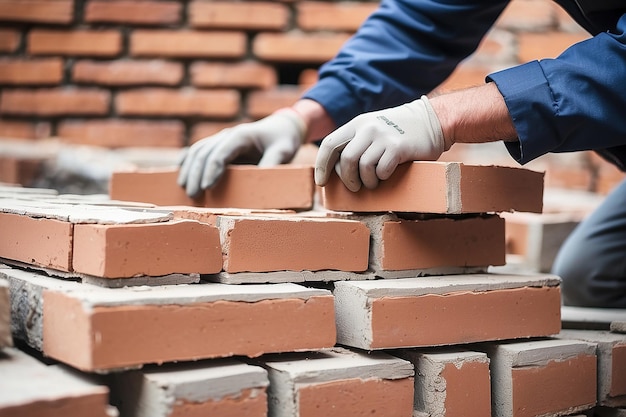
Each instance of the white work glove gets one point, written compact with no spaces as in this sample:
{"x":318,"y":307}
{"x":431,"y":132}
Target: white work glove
{"x":370,"y":147}
{"x":270,"y":141}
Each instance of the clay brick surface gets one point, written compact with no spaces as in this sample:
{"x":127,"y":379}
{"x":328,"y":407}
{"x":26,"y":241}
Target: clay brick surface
{"x":24,"y":130}
{"x":124,"y":251}
{"x":233,"y":15}
{"x":182,"y":44}
{"x":243,"y":75}
{"x":204,"y":129}
{"x":36,"y":11}
{"x":266,"y":244}
{"x":31,"y":388}
{"x":9,"y":40}
{"x":446,"y":310}
{"x":31,"y":72}
{"x":527,"y":378}
{"x":242,"y":186}
{"x":611,"y":354}
{"x":141,"y":12}
{"x":181,"y":103}
{"x":55,"y":102}
{"x":528,"y":15}
{"x":339,"y":382}
{"x":115,"y":133}
{"x":217,"y":388}
{"x":19,"y":170}
{"x":263,"y":103}
{"x":100,"y":43}
{"x":348,"y":16}
{"x":420,"y":245}
{"x":443,"y":187}
{"x":546,"y":45}
{"x":293,"y":47}
{"x":451,"y":383}
{"x":113,"y":73}
{"x":250,"y":320}
{"x":5,"y":316}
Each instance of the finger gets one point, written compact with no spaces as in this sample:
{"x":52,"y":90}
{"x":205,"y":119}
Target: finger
{"x":279,"y":152}
{"x":350,"y":158}
{"x":229,"y":148}
{"x":368,"y":163}
{"x":329,"y":152}
{"x":387,"y":164}
{"x":193,"y":166}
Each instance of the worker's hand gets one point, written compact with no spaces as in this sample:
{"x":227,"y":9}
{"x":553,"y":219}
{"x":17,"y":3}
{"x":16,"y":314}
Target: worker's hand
{"x":370,"y":147}
{"x":269,"y":141}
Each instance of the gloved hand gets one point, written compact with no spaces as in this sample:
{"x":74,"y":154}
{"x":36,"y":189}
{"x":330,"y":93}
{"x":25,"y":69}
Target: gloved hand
{"x":370,"y":147}
{"x":270,"y":141}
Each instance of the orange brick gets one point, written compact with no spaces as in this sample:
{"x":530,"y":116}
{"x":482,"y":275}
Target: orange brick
{"x":450,"y":380}
{"x":36,"y":241}
{"x":348,"y":16}
{"x":443,"y":187}
{"x":248,"y":74}
{"x":101,"y":329}
{"x":55,"y":102}
{"x":183,"y":103}
{"x":340,"y":382}
{"x":206,"y":129}
{"x":266,"y":102}
{"x":116,"y":133}
{"x":528,"y":15}
{"x":446,"y":310}
{"x":525,"y":376}
{"x":291,"y":243}
{"x":22,"y":171}
{"x":141,"y":12}
{"x":284,"y":187}
{"x":37,"y":11}
{"x":307,"y":78}
{"x":124,"y":73}
{"x":546,"y":45}
{"x":154,"y":249}
{"x":238,"y":15}
{"x":103,"y":43}
{"x":9,"y":40}
{"x":24,"y":130}
{"x":31,"y":72}
{"x":295,"y":47}
{"x":192,"y":44}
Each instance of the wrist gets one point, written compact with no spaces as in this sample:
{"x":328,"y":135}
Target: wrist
{"x":318,"y":122}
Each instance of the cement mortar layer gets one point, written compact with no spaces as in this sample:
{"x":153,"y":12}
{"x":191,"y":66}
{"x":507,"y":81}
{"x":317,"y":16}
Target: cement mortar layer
{"x":618,"y":326}
{"x":287,"y":276}
{"x":83,"y":213}
{"x":155,"y":391}
{"x":93,"y":296}
{"x":5,"y":315}
{"x":591,"y":318}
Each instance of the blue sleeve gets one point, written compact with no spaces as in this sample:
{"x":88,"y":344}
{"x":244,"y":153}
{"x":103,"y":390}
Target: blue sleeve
{"x":574,"y":102}
{"x":404,"y":49}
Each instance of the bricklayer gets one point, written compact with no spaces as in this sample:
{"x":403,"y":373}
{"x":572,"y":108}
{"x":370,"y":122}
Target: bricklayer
{"x":102,"y":329}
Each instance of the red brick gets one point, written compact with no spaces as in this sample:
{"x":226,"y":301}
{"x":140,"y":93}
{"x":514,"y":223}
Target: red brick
{"x":291,"y":243}
{"x":9,"y":40}
{"x":31,"y":72}
{"x":546,"y":45}
{"x":185,"y":102}
{"x":446,"y":310}
{"x":442,"y":187}
{"x":154,"y":249}
{"x":142,"y":12}
{"x":37,"y":11}
{"x":116,"y":133}
{"x":125,"y":73}
{"x":295,"y":47}
{"x":24,"y":130}
{"x":206,"y":129}
{"x":528,"y":15}
{"x":22,"y":170}
{"x":266,"y":102}
{"x":191,"y":44}
{"x":36,"y":241}
{"x":248,"y":74}
{"x":307,"y":78}
{"x":103,"y":43}
{"x":284,"y":187}
{"x":238,"y":15}
{"x":55,"y":102}
{"x":348,"y":16}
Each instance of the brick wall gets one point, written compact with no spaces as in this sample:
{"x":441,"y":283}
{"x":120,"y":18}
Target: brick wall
{"x":168,"y":72}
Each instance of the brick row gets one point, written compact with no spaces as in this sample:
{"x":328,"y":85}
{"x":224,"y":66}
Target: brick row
{"x":37,"y":11}
{"x":31,"y":72}
{"x":144,"y":12}
{"x":251,"y":16}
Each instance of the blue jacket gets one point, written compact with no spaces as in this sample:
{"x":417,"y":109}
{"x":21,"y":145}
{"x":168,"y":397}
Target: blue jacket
{"x":408,"y":47}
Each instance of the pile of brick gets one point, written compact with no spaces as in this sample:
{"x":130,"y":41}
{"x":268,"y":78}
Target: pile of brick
{"x":375,"y":303}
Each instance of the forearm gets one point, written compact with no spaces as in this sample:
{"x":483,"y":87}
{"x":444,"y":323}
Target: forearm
{"x":318,"y":122}
{"x":474,"y":115}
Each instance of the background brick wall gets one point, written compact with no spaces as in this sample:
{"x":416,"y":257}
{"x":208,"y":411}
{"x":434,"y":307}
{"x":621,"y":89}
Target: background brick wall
{"x":165,"y":73}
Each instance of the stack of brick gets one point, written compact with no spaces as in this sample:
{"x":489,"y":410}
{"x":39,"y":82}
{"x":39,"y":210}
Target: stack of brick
{"x":443,"y":344}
